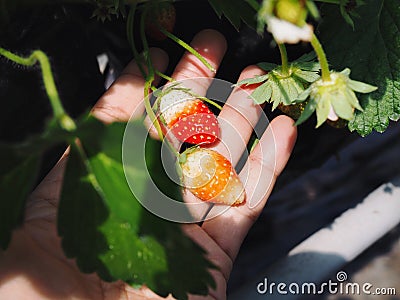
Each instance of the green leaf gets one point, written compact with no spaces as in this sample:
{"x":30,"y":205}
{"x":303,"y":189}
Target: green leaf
{"x":306,"y":76}
{"x":312,"y":9}
{"x":288,"y":90}
{"x":304,"y":95}
{"x":352,"y":99}
{"x":307,"y":62}
{"x":17,"y":176}
{"x":254,"y":80}
{"x":235,"y":11}
{"x":346,"y":15}
{"x":361,"y":87}
{"x":266,"y":66}
{"x":277,"y":96}
{"x":262,"y":93}
{"x":323,"y":108}
{"x":372,"y":52}
{"x":342,"y":107}
{"x":308,"y":111}
{"x":18,"y":171}
{"x":107,"y":230}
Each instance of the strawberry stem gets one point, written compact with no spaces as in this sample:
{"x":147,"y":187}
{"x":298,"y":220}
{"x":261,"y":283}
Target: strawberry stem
{"x":325,"y":72}
{"x":40,"y":57}
{"x":213,"y":103}
{"x":131,"y":39}
{"x":149,"y":77}
{"x":149,"y":85}
{"x":284,"y":59}
{"x":255,"y":143}
{"x":164,"y":76}
{"x":188,"y":48}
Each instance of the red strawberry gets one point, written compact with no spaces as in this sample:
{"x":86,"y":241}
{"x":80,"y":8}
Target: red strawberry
{"x":211,"y":177}
{"x":188,"y":118}
{"x":163,"y":15}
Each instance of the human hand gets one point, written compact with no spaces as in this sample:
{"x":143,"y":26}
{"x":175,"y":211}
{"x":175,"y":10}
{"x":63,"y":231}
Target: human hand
{"x":35,"y":267}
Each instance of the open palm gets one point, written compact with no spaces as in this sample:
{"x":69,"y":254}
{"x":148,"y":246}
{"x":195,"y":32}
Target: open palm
{"x":35,"y":267}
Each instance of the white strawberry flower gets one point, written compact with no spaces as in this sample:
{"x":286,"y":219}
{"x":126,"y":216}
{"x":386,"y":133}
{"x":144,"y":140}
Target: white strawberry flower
{"x":333,"y":99}
{"x":286,"y":32}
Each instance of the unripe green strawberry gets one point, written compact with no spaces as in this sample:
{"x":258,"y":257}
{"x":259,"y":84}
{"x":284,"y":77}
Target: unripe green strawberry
{"x":211,"y":177}
{"x":292,"y":11}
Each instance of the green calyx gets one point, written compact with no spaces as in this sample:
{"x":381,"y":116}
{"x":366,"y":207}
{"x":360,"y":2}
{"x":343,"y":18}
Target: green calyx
{"x":333,"y":99}
{"x":283,"y":86}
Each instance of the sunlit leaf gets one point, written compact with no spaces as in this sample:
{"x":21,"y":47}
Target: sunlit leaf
{"x":235,"y":11}
{"x":17,"y":175}
{"x":107,"y":230}
{"x":372,"y":53}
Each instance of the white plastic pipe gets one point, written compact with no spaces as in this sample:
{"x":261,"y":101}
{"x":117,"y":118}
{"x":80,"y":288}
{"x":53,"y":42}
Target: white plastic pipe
{"x":318,"y":257}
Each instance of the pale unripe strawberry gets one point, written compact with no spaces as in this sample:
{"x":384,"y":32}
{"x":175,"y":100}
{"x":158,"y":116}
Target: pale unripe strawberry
{"x":211,"y":177}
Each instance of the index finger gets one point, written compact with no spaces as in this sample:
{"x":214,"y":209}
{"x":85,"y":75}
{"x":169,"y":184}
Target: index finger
{"x":124,"y":99}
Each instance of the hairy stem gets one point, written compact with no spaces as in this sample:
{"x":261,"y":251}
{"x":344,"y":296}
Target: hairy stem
{"x":131,"y":40}
{"x":48,"y":79}
{"x":284,"y":59}
{"x":149,"y":78}
{"x":187,"y":47}
{"x":325,"y":73}
{"x":164,"y":76}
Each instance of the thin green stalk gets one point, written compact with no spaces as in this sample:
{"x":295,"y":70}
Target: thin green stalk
{"x":48,"y":79}
{"x":188,"y":48}
{"x":150,"y":112}
{"x":213,"y":103}
{"x":284,"y":59}
{"x":255,"y":143}
{"x":164,"y":76}
{"x":131,"y":39}
{"x":149,"y":78}
{"x":325,"y":73}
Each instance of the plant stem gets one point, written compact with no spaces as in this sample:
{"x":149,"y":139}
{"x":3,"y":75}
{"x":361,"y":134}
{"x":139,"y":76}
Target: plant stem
{"x":284,"y":59}
{"x":213,"y":103}
{"x":325,"y":73}
{"x":149,"y":78}
{"x":39,"y":56}
{"x":164,"y":76}
{"x":131,"y":39}
{"x":188,"y":48}
{"x":150,"y":112}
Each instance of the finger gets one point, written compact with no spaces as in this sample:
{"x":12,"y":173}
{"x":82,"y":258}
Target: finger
{"x":216,"y":256}
{"x":238,"y":118}
{"x":125,"y":97}
{"x":259,"y":174}
{"x":212,"y":46}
